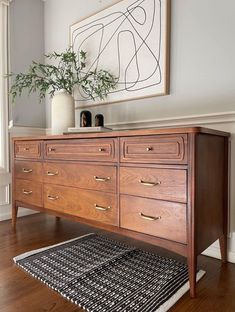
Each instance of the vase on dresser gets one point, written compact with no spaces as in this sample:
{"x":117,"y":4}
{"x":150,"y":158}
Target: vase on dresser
{"x":62,"y":112}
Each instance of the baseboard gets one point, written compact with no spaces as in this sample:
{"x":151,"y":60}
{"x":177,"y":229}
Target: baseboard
{"x":21,"y":213}
{"x":214,"y":252}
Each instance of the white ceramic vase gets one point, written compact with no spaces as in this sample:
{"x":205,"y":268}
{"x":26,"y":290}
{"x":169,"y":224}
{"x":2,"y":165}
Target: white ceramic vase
{"x":62,"y":112}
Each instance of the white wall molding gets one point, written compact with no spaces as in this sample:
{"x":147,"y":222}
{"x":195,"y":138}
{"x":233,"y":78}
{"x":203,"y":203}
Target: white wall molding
{"x":6,"y":214}
{"x":214,"y":251}
{"x":191,"y":120}
{"x":25,"y":131}
{"x":6,"y":2}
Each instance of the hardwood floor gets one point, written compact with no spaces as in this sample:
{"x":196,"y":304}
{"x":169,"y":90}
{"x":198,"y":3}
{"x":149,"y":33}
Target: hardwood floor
{"x":19,"y":292}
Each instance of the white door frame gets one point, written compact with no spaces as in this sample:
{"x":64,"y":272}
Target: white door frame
{"x":5,"y":175}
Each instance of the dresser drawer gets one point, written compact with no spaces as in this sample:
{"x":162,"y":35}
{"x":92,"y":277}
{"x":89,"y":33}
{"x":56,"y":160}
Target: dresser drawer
{"x":154,"y":149}
{"x":92,"y":205}
{"x":154,"y":217}
{"x":94,"y":177}
{"x":28,"y":170}
{"x":82,"y":149}
{"x":29,"y":192}
{"x":165,"y":184}
{"x":27,"y":149}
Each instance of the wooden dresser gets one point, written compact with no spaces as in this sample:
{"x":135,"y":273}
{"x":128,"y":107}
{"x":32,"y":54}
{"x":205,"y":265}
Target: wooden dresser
{"x":168,"y":187}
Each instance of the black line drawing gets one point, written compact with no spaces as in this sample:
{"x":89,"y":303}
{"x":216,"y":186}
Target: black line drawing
{"x":131,"y":40}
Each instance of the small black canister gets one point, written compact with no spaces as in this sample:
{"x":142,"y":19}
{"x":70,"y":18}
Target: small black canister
{"x":99,"y":120}
{"x":85,"y":118}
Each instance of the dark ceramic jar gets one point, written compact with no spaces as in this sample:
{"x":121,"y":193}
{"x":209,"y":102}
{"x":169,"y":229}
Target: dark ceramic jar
{"x":85,"y":118}
{"x":99,"y":120}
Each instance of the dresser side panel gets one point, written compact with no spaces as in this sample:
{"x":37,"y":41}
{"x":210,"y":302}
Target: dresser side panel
{"x":210,"y":177}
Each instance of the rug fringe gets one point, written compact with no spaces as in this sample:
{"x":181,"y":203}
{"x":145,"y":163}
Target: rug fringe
{"x":180,"y":292}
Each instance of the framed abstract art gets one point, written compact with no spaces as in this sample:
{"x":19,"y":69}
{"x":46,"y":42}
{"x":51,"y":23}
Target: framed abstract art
{"x":131,"y":40}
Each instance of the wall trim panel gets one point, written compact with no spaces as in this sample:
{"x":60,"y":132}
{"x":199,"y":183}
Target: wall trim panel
{"x":213,"y":118}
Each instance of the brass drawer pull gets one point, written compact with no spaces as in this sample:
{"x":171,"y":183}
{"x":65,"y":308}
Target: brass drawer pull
{"x":101,"y":179}
{"x":27,"y":192}
{"x":26,"y":148}
{"x":149,"y":218}
{"x":101,"y":149}
{"x":27,"y":170}
{"x":149,"y":183}
{"x":50,"y":173}
{"x":50,"y":197}
{"x":101,"y":207}
{"x":148,"y":149}
{"x":51,"y":149}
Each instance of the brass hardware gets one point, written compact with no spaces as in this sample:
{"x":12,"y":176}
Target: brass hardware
{"x":50,"y":173}
{"x":101,"y":207}
{"x":27,"y":170}
{"x":101,"y":179}
{"x":51,"y":149}
{"x":150,"y":148}
{"x":149,"y":218}
{"x":27,"y":192}
{"x":50,"y":197}
{"x":149,"y":183}
{"x":26,"y":149}
{"x":101,"y":149}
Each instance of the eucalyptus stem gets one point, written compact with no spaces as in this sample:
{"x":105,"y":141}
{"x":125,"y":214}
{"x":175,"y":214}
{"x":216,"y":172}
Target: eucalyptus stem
{"x":69,"y":73}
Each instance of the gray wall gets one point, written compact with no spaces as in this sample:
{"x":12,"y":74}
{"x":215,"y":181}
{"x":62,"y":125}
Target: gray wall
{"x":26,"y":44}
{"x":202,"y":58}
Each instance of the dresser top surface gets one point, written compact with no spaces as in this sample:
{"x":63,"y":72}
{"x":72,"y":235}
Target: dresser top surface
{"x":127,"y":133}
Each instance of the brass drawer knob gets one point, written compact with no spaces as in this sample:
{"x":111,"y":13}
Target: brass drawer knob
{"x":149,"y":218}
{"x":50,"y":197}
{"x":146,"y":183}
{"x":149,"y":148}
{"x":24,"y":170}
{"x":101,"y":149}
{"x":51,"y":173}
{"x":101,"y":207}
{"x":26,"y":148}
{"x":51,"y":149}
{"x":101,"y":179}
{"x":25,"y":192}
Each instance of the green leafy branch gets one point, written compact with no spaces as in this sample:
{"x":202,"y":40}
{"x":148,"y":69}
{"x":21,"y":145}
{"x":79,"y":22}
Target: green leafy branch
{"x":69,"y":73}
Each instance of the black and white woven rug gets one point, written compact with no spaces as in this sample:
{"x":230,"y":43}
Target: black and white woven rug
{"x":102,"y":275}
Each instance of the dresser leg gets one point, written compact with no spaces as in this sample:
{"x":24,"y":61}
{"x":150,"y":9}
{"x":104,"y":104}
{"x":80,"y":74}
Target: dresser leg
{"x":14,"y":216}
{"x":223,"y":248}
{"x":192,"y":272}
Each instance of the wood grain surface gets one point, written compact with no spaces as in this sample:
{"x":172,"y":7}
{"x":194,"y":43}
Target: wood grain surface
{"x":29,"y":192}
{"x":27,"y":149}
{"x":92,"y":177}
{"x":136,"y":214}
{"x":155,"y":149}
{"x":28,"y":170}
{"x":94,"y":205}
{"x":166,"y":184}
{"x":83,"y":149}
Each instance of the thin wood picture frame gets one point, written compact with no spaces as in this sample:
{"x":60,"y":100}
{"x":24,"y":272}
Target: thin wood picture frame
{"x":131,"y":39}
